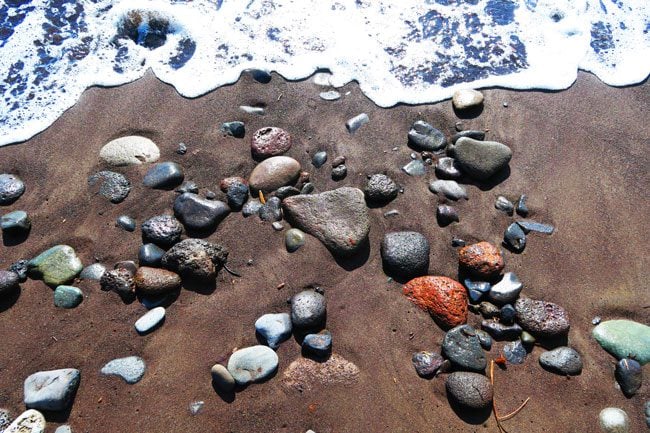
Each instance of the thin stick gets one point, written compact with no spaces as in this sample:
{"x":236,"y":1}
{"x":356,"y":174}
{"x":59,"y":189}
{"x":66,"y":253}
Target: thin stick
{"x":515,"y":412}
{"x":494,"y":403}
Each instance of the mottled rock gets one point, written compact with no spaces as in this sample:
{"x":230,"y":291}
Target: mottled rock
{"x":150,"y":320}
{"x":534,"y":226}
{"x":447,"y":168}
{"x":507,"y":290}
{"x":235,"y":129}
{"x":339,"y":172}
{"x":319,"y":345}
{"x":294,"y":239}
{"x":11,"y":188}
{"x":195,"y":259}
{"x":463,"y":348}
{"x":405,"y":254}
{"x":481,"y":159}
{"x":624,"y":339}
{"x":164,"y":175}
{"x":155,"y":281}
{"x":269,"y":141}
{"x":427,"y":363}
{"x":236,"y":195}
{"x":272,"y":173}
{"x":162,"y":230}
{"x":514,"y":352}
{"x":614,"y":420}
{"x":131,"y":368}
{"x":443,"y":298}
{"x":629,"y":376}
{"x":51,"y":390}
{"x":112,"y":186}
{"x":541,"y":318}
{"x":274,"y":328}
{"x":67,"y":296}
{"x":308,"y":309}
{"x":251,"y":207}
{"x":20,"y":268}
{"x":508,"y":314}
{"x":450,"y":188}
{"x":130,"y":150}
{"x":423,"y":136}
{"x":381,"y":189}
{"x":56,"y":266}
{"x":199,"y":214}
{"x":271,"y":210}
{"x":500,"y":331}
{"x":120,"y":281}
{"x":469,"y":390}
{"x":482,"y":259}
{"x":252,"y":364}
{"x":15,"y":222}
{"x":30,"y":421}
{"x":514,"y":238}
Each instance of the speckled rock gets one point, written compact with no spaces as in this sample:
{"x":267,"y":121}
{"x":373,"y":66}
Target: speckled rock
{"x":405,"y":254}
{"x":67,"y":296}
{"x":20,"y":268}
{"x":470,"y":390}
{"x":162,"y":230}
{"x":272,"y":173}
{"x":443,"y":298}
{"x":308,"y":309}
{"x":269,"y":141}
{"x":112,"y":186}
{"x":450,"y":188}
{"x":271,"y":210}
{"x":481,"y":159}
{"x":274,"y":328}
{"x":130,"y":150}
{"x":466,"y":98}
{"x":195,"y":259}
{"x":199,"y":214}
{"x":56,"y":266}
{"x":482,"y":259}
{"x":8,"y":283}
{"x":93,"y":272}
{"x":252,"y":364}
{"x":11,"y":188}
{"x":235,"y":129}
{"x":462,"y":347}
{"x":614,"y":420}
{"x":541,"y":318}
{"x":222,"y":378}
{"x":120,"y":281}
{"x":427,"y":363}
{"x":251,"y":207}
{"x":236,"y":195}
{"x":381,"y":189}
{"x":155,"y":281}
{"x":51,"y":390}
{"x":30,"y":421}
{"x":624,"y":339}
{"x":131,"y":368}
{"x":319,"y":345}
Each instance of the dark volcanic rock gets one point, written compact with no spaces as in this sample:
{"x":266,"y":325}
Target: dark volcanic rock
{"x":629,"y":376}
{"x":11,"y":188}
{"x":113,"y":186}
{"x":381,"y":189}
{"x":199,"y":214}
{"x":162,"y":230}
{"x":499,"y":331}
{"x":164,"y":175}
{"x":119,"y":281}
{"x":514,"y":238}
{"x":463,"y":348}
{"x":470,"y":390}
{"x":541,"y":318}
{"x":405,"y":254}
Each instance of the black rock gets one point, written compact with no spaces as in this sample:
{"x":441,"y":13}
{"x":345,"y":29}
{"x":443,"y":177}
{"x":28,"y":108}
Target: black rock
{"x":195,"y":259}
{"x":423,"y":136}
{"x":125,"y":222}
{"x":113,"y":186}
{"x":260,"y":75}
{"x":485,"y":339}
{"x":457,"y":242}
{"x":236,"y":195}
{"x":381,"y":189}
{"x":501,"y":331}
{"x":427,"y":363}
{"x":164,"y":175}
{"x":150,"y":255}
{"x":521,"y":208}
{"x":405,"y":254}
{"x":319,"y":159}
{"x":463,"y":348}
{"x":182,"y":149}
{"x":446,"y":215}
{"x":20,"y":268}
{"x":8,"y":283}
{"x":188,"y":186}
{"x":534,"y":226}
{"x":234,"y":129}
{"x":271,"y":210}
{"x":162,"y":230}
{"x":476,"y":135}
{"x":339,"y":172}
{"x":514,"y":238}
{"x":199,"y":214}
{"x":629,"y":376}
{"x":11,"y":188}
{"x":514,"y":352}
{"x":508,"y":314}
{"x":307,"y":188}
{"x":286,"y":191}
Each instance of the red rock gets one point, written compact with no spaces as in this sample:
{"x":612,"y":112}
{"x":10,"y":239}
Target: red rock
{"x":227,"y":182}
{"x":445,"y":299}
{"x":270,"y":141}
{"x":482,"y":259}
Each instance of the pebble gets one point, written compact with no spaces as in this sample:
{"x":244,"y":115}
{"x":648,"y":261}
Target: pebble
{"x":271,"y":210}
{"x":339,"y":160}
{"x":155,"y":281}
{"x":426,"y":363}
{"x":484,"y":338}
{"x":500,"y":331}
{"x":476,"y":135}
{"x":508,"y":314}
{"x":339,"y":172}
{"x":20,"y":268}
{"x":150,"y":255}
{"x":356,"y":122}
{"x":274,"y":328}
{"x":319,"y":345}
{"x":450,"y":188}
{"x":447,"y":168}
{"x":489,"y":310}
{"x":119,"y":281}
{"x":125,"y":222}
{"x":51,"y":390}
{"x":236,"y":195}
{"x":308,"y":309}
{"x":67,"y":296}
{"x":405,"y":254}
{"x":423,"y":136}
{"x":338,"y":218}
{"x":463,"y":348}
{"x":130,"y":150}
{"x":274,"y":172}
{"x":534,"y":226}
{"x":30,"y":421}
{"x":476,"y":289}
{"x":269,"y":141}
{"x":199,"y":214}
{"x":63,"y":429}
{"x":294,"y":239}
{"x":391,"y":213}
{"x":210,"y":195}
{"x":251,"y":207}
{"x":162,"y":230}
{"x":414,"y":168}
{"x":93,"y":272}
{"x":319,"y":159}
{"x":131,"y":368}
{"x":235,"y":129}
{"x":277,"y":226}
{"x":629,"y":376}
{"x":522,"y":208}
{"x":260,"y":75}
{"x":112,"y":186}
{"x":505,"y":291}
{"x":195,"y":259}
{"x":322,"y":79}
{"x":196,"y":407}
{"x":466,"y":98}
{"x":56,"y":266}
{"x":515,"y":352}
{"x":15,"y":222}
{"x":150,"y":320}
{"x":330,"y":95}
{"x":11,"y":188}
{"x":527,"y":339}
{"x":443,"y":298}
{"x":446,"y":215}
{"x":252,"y":110}
{"x":8,"y":283}
{"x":470,"y":390}
{"x":541,"y":318}
{"x":181,"y":149}
{"x":614,"y":420}
{"x":286,"y":191}
{"x":482,"y":259}
{"x":252,"y":364}
{"x":505,"y":205}
{"x":457,"y":242}
{"x":221,"y":378}
{"x":481,"y":159}
{"x":624,"y":339}
{"x":164,"y":175}
{"x":514,"y":238}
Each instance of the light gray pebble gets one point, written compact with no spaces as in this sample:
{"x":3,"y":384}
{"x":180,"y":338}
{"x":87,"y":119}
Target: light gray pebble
{"x":131,"y":368}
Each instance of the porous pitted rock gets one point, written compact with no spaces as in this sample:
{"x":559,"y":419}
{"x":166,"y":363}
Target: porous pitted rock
{"x":445,"y":299}
{"x":195,"y":259}
{"x":542,"y":318}
{"x":481,"y":259}
{"x":470,"y":390}
{"x":269,"y":141}
{"x":155,"y":281}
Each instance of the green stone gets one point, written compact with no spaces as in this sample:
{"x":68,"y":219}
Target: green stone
{"x":67,"y":296}
{"x":56,"y":266}
{"x":624,"y":339}
{"x":294,"y":239}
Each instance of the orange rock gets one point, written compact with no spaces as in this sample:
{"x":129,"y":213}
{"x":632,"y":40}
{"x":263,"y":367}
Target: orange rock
{"x":445,"y":299}
{"x":482,"y":259}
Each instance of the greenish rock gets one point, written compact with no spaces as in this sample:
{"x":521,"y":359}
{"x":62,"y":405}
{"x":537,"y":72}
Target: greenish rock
{"x":624,"y":339}
{"x":294,"y":239}
{"x":67,"y":296}
{"x":56,"y":266}
{"x":16,"y":221}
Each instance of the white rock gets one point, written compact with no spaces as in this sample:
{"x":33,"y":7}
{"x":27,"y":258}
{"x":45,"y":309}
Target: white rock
{"x":129,"y":150}
{"x":506,"y":290}
{"x":252,"y":364}
{"x":63,"y":429}
{"x":131,"y":368}
{"x":467,"y":98}
{"x":150,"y":320}
{"x":450,"y":188}
{"x":322,"y":79}
{"x":357,"y":122}
{"x":330,"y":95}
{"x":51,"y":390}
{"x":614,"y":420}
{"x":30,"y":421}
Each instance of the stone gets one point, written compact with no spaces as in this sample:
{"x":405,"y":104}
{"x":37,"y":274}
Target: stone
{"x":381,"y":189}
{"x":308,"y":309}
{"x":514,"y":352}
{"x":236,"y":195}
{"x":196,"y":259}
{"x":522,"y":208}
{"x":93,"y":272}
{"x":129,"y":150}
{"x":277,"y":226}
{"x":11,"y":188}
{"x":51,"y":390}
{"x":181,"y":149}
{"x":356,"y":122}
{"x":527,"y":340}
{"x":319,"y":345}
{"x":199,"y":214}
{"x":272,"y":173}
{"x":426,"y":363}
{"x":508,"y":314}
{"x":505,"y":291}
{"x":119,"y":281}
{"x":125,"y":222}
{"x":450,"y":188}
{"x":55,"y":266}
{"x":500,"y":331}
{"x":261,"y":76}
{"x":534,"y":226}
{"x":221,"y":378}
{"x":63,"y":429}
{"x":339,"y":172}
{"x":271,"y":210}
{"x":467,"y":98}
{"x":269,"y":141}
{"x":113,"y":186}
{"x":251,"y":207}
{"x":304,"y":373}
{"x":443,"y":298}
{"x":226,"y":183}
{"x":15,"y":222}
{"x":130,"y":368}
{"x":164,"y":175}
{"x":30,"y":421}
{"x":235,"y":129}
{"x":67,"y":296}
{"x":484,"y":338}
{"x":286,"y":191}
{"x":188,"y":186}
{"x":629,"y":376}
{"x":463,"y":348}
{"x":8,"y":283}
{"x":319,"y":159}
{"x":541,"y":318}
{"x":339,"y":160}
{"x":423,"y":136}
{"x":482,"y":260}
{"x":504,"y":205}
{"x":469,"y":390}
{"x":155,"y":281}
{"x":614,"y":420}
{"x":330,"y":95}
{"x":624,"y":339}
{"x":150,"y":320}
{"x":162,"y":230}
{"x":446,"y":215}
{"x":20,"y":268}
{"x":150,"y":255}
{"x":252,"y":364}
{"x":481,"y":160}
{"x":274,"y":328}
{"x":405,"y":254}
{"x":294,"y":239}
{"x":414,"y":168}
{"x":260,"y":111}
{"x":338,"y":218}
{"x":489,"y":310}
{"x":479,"y":286}
{"x":447,"y":168}
{"x":475,"y":134}
{"x":514,"y":238}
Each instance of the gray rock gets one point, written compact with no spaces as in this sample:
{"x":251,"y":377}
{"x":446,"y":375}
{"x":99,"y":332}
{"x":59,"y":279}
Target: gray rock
{"x":150,"y":255}
{"x":260,"y":111}
{"x":330,"y":95}
{"x":271,"y":210}
{"x":563,"y":360}
{"x":130,"y":150}
{"x":162,"y":230}
{"x":450,"y":188}
{"x":414,"y":168}
{"x":222,"y":378}
{"x":427,"y":363}
{"x":319,"y":159}
{"x":508,"y":314}
{"x":119,"y":281}
{"x":30,"y":421}
{"x":272,"y":173}
{"x":125,"y":222}
{"x":131,"y":368}
{"x":381,"y":189}
{"x":500,"y":331}
{"x":93,"y":272}
{"x":112,"y":186}
{"x":505,"y":205}
{"x":20,"y":268}
{"x":68,"y":297}
{"x":286,"y":191}
{"x":188,"y":186}
{"x":514,"y":352}
{"x":164,"y":175}
{"x":181,"y":149}
{"x":51,"y":390}
{"x":199,"y":214}
{"x":470,"y":390}
{"x":319,"y":345}
{"x":63,"y":429}
{"x":234,"y":129}
{"x":251,"y":207}
{"x":629,"y":376}
{"x":534,"y":226}
{"x":505,"y":291}
{"x":446,"y":215}
{"x":481,"y":160}
{"x":423,"y":136}
{"x":462,"y":347}
{"x":150,"y":320}
{"x":236,"y":195}
{"x":8,"y":283}
{"x":356,"y":122}
{"x":294,"y":239}
{"x":466,"y":98}
{"x":308,"y":309}
{"x":195,"y":259}
{"x":15,"y":222}
{"x":307,"y":188}
{"x":11,"y":188}
{"x":277,"y":226}
{"x":476,"y":135}
{"x":405,"y":254}
{"x":541,"y":318}
{"x":485,"y":339}
{"x":522,"y":208}
{"x":339,"y":172}
{"x":514,"y":238}
{"x":252,"y":364}
{"x":274,"y":328}
{"x":447,"y":168}
{"x":269,"y":141}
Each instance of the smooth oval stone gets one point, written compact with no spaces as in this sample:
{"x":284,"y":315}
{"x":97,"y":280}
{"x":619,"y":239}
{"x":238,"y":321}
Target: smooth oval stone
{"x":562,"y":360}
{"x":294,"y":239}
{"x":319,"y":159}
{"x":475,"y":134}
{"x":131,"y":368}
{"x":163,"y":230}
{"x":274,"y":328}
{"x":450,"y":188}
{"x":235,"y":129}
{"x":614,"y":420}
{"x":51,"y":390}
{"x":11,"y":188}
{"x":67,"y":296}
{"x":426,"y":363}
{"x":222,"y":378}
{"x":269,"y":141}
{"x":505,"y":205}
{"x":446,"y":215}
{"x":507,"y":290}
{"x":423,"y":136}
{"x":30,"y":421}
{"x":462,"y":347}
{"x":150,"y":255}
{"x":308,"y":309}
{"x":447,"y":168}
{"x":330,"y":95}
{"x":271,"y":210}
{"x":541,"y":318}
{"x":501,"y":331}
{"x":514,"y":238}
{"x":8,"y":282}
{"x":405,"y":254}
{"x":130,"y":150}
{"x":63,"y":429}
{"x":414,"y":168}
{"x":624,"y":339}
{"x":481,"y":159}
{"x":356,"y":122}
{"x":466,"y":98}
{"x":199,"y":214}
{"x":164,"y":175}
{"x":522,"y":208}
{"x":113,"y":186}
{"x":274,"y":172}
{"x":514,"y":352}
{"x":93,"y":272}
{"x":470,"y":390}
{"x":252,"y":364}
{"x":155,"y":281}
{"x":126,"y":223}
{"x":150,"y":320}
{"x":319,"y":345}
{"x":15,"y":222}
{"x":56,"y":266}
{"x":629,"y":376}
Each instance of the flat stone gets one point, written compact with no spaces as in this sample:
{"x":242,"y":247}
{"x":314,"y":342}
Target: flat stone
{"x":319,"y":345}
{"x":471,"y":133}
{"x":514,"y":238}
{"x":450,"y":188}
{"x":522,"y":208}
{"x":466,"y":98}
{"x":63,"y":429}
{"x":235,"y":129}
{"x":534,"y":226}
{"x":199,"y":214}
{"x":15,"y":222}
{"x":195,"y":259}
{"x":51,"y":390}
{"x":164,"y":175}
{"x":629,"y":376}
{"x":505,"y":291}
{"x":415,"y":168}
{"x":113,"y":186}
{"x":30,"y":421}
{"x":504,"y":205}
{"x":330,"y":95}
{"x":162,"y":230}
{"x":305,"y":373}
{"x":150,"y":255}
{"x":624,"y":339}
{"x":514,"y":352}
{"x":482,"y":260}
{"x":463,"y":348}
{"x":93,"y":272}
{"x":470,"y":390}
{"x":252,"y":364}
{"x":356,"y":122}
{"x":8,"y":282}
{"x":260,"y":111}
{"x":274,"y":328}
{"x":131,"y":368}
{"x":500,"y":331}
{"x":272,"y":173}
{"x":129,"y":150}
{"x":541,"y":318}
{"x":381,"y":189}
{"x":269,"y":141}
{"x":427,"y":363}
{"x":67,"y":296}
{"x":614,"y":420}
{"x":481,"y":160}
{"x":222,"y":378}
{"x":125,"y":222}
{"x":423,"y":136}
{"x":271,"y":210}
{"x":56,"y":266}
{"x":150,"y":320}
{"x":443,"y":298}
{"x":155,"y":281}
{"x":405,"y":254}
{"x":308,"y":309}
{"x":294,"y":239}
{"x":447,"y":168}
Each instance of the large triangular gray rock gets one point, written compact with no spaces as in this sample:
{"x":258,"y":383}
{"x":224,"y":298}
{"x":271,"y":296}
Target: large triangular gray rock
{"x":481,"y":160}
{"x":338,"y":218}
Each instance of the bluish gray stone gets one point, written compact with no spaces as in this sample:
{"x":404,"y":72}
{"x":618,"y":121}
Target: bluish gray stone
{"x":286,"y":191}
{"x":319,"y":345}
{"x":475,"y":134}
{"x":405,"y":254}
{"x":20,"y":268}
{"x":308,"y":309}
{"x":484,"y":338}
{"x":514,"y":352}
{"x":514,"y":238}
{"x":150,"y":320}
{"x":126,"y":222}
{"x":507,"y":290}
{"x":463,"y":348}
{"x":113,"y":186}
{"x":274,"y":328}
{"x":447,"y":168}
{"x":501,"y":331}
{"x":236,"y":195}
{"x":522,"y":208}
{"x":131,"y":368}
{"x":446,"y":215}
{"x":235,"y":129}
{"x":93,"y":272}
{"x":356,"y":122}
{"x":62,"y":429}
{"x":199,"y":214}
{"x":68,"y":296}
{"x":15,"y":222}
{"x":629,"y":376}
{"x":534,"y":226}
{"x":481,"y":160}
{"x":319,"y":159}
{"x":252,"y":364}
{"x":423,"y":136}
{"x":162,"y":230}
{"x":508,"y":314}
{"x":11,"y":188}
{"x":294,"y":239}
{"x":426,"y":363}
{"x":414,"y":168}
{"x":251,"y":207}
{"x":51,"y":390}
{"x":271,"y":210}
{"x":164,"y":175}
{"x":562,"y":360}
{"x":150,"y":255}
{"x":480,"y":286}
{"x":450,"y":188}
{"x":8,"y":282}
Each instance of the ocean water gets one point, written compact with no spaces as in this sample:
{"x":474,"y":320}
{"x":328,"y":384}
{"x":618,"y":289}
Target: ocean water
{"x":406,"y":51}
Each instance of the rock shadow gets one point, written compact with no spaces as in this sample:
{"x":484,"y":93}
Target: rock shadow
{"x":9,"y":300}
{"x":470,"y":416}
{"x":12,"y":238}
{"x":469,"y":113}
{"x":360,"y":257}
{"x":489,"y":184}
{"x":199,"y":286}
{"x":226,"y":396}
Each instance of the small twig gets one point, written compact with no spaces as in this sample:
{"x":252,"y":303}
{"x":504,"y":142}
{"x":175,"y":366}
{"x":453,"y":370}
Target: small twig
{"x":515,"y":412}
{"x":261,"y":195}
{"x":494,"y":402}
{"x":231,"y":272}
{"x":280,"y":97}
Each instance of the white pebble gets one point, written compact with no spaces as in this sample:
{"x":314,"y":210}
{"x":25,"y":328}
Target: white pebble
{"x":614,"y":420}
{"x":357,"y":122}
{"x":150,"y":320}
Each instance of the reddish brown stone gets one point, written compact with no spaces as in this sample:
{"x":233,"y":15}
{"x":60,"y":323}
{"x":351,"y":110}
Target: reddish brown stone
{"x":155,"y":281}
{"x":445,"y":299}
{"x":270,"y":141}
{"x":229,"y":181}
{"x":482,"y":259}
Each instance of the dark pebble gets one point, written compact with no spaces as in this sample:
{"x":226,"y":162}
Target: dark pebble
{"x":182,"y":149}
{"x":446,"y":168}
{"x":11,"y":188}
{"x":164,"y":175}
{"x":514,"y":352}
{"x":500,"y":331}
{"x":199,"y":214}
{"x":423,"y":136}
{"x":505,"y":205}
{"x":234,"y":129}
{"x":286,"y":191}
{"x":260,"y":75}
{"x":485,"y":339}
{"x":476,"y":135}
{"x":533,"y":226}
{"x":319,"y":345}
{"x":113,"y":186}
{"x":489,"y":310}
{"x":251,"y":207}
{"x":405,"y":254}
{"x":522,"y":208}
{"x":319,"y":159}
{"x":629,"y":376}
{"x":162,"y":230}
{"x":188,"y":187}
{"x":339,"y":172}
{"x":272,"y":210}
{"x":514,"y":238}
{"x":508,"y":314}
{"x":476,"y":289}
{"x":446,"y":215}
{"x":8,"y":282}
{"x":381,"y":189}
{"x":20,"y":268}
{"x":15,"y":222}
{"x":125,"y":222}
{"x":307,"y":188}
{"x":427,"y":363}
{"x":462,"y":347}
{"x":236,"y":195}
{"x":150,"y":255}
{"x":457,"y":242}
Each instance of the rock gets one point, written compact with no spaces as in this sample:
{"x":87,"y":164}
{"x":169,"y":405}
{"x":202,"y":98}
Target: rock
{"x":450,"y":188}
{"x":541,"y":318}
{"x":271,"y":210}
{"x":482,"y":259}
{"x":150,"y":255}
{"x":414,"y":168}
{"x":125,"y":222}
{"x":269,"y":141}
{"x":500,"y":331}
{"x":319,"y":345}
{"x":308,"y":309}
{"x":527,"y":340}
{"x":286,"y":191}
{"x":446,"y":215}
{"x":507,"y":290}
{"x":330,"y":95}
{"x":508,"y":314}
{"x":514,"y":238}
{"x":130,"y":150}
{"x":221,"y":378}
{"x":319,"y":159}
{"x":155,"y":281}
{"x":150,"y":320}
{"x":30,"y":421}
{"x":277,"y":226}
{"x":51,"y":390}
{"x":629,"y":376}
{"x":112,"y":186}
{"x":234,"y":129}
{"x":427,"y":363}
{"x":131,"y":368}
{"x":199,"y":214}
{"x":119,"y":281}
{"x":195,"y":259}
{"x":8,"y":283}
{"x":423,"y":136}
{"x":164,"y":175}
{"x":251,"y":207}
{"x":252,"y":364}
{"x":252,"y":110}
{"x":237,"y":195}
{"x":514,"y":352}
{"x":533,"y":226}
{"x":338,"y":218}
{"x":624,"y":339}
{"x":20,"y":268}
{"x":304,"y":373}
{"x":294,"y":239}
{"x":443,"y":298}
{"x":481,"y":160}
{"x":469,"y":390}
{"x":476,"y":135}
{"x":274,"y":328}
{"x":67,"y":296}
{"x":405,"y":254}
{"x":505,"y":205}
{"x":162,"y":230}
{"x":463,"y":348}
{"x":489,"y":310}
{"x":188,"y":186}
{"x":226,"y":183}
{"x":466,"y":98}
{"x":339,"y":160}
{"x":521,"y":208}
{"x":93,"y":272}
{"x":56,"y":266}
{"x":11,"y":188}
{"x":614,"y":420}
{"x":484,"y":338}
{"x":260,"y":75}
{"x":476,"y":289}
{"x":272,"y":173}
{"x":447,"y":168}
{"x":356,"y":122}
{"x":380,"y":189}
{"x":181,"y":149}
{"x":15,"y":222}
{"x":339,"y":172}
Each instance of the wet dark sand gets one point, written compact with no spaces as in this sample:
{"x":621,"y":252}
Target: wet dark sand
{"x":581,"y":155}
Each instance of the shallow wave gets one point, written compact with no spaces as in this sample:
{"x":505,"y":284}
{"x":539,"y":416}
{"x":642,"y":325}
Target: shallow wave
{"x":414,"y":52}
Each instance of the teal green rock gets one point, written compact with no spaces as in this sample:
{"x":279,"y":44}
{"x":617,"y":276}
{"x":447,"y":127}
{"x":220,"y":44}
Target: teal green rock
{"x":624,"y":339}
{"x":56,"y":266}
{"x":67,"y":296}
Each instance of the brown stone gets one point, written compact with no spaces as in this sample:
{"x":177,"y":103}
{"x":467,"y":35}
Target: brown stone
{"x":445,"y":299}
{"x":273,"y":173}
{"x":155,"y":281}
{"x":482,"y":259}
{"x":229,"y":181}
{"x":270,"y":141}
